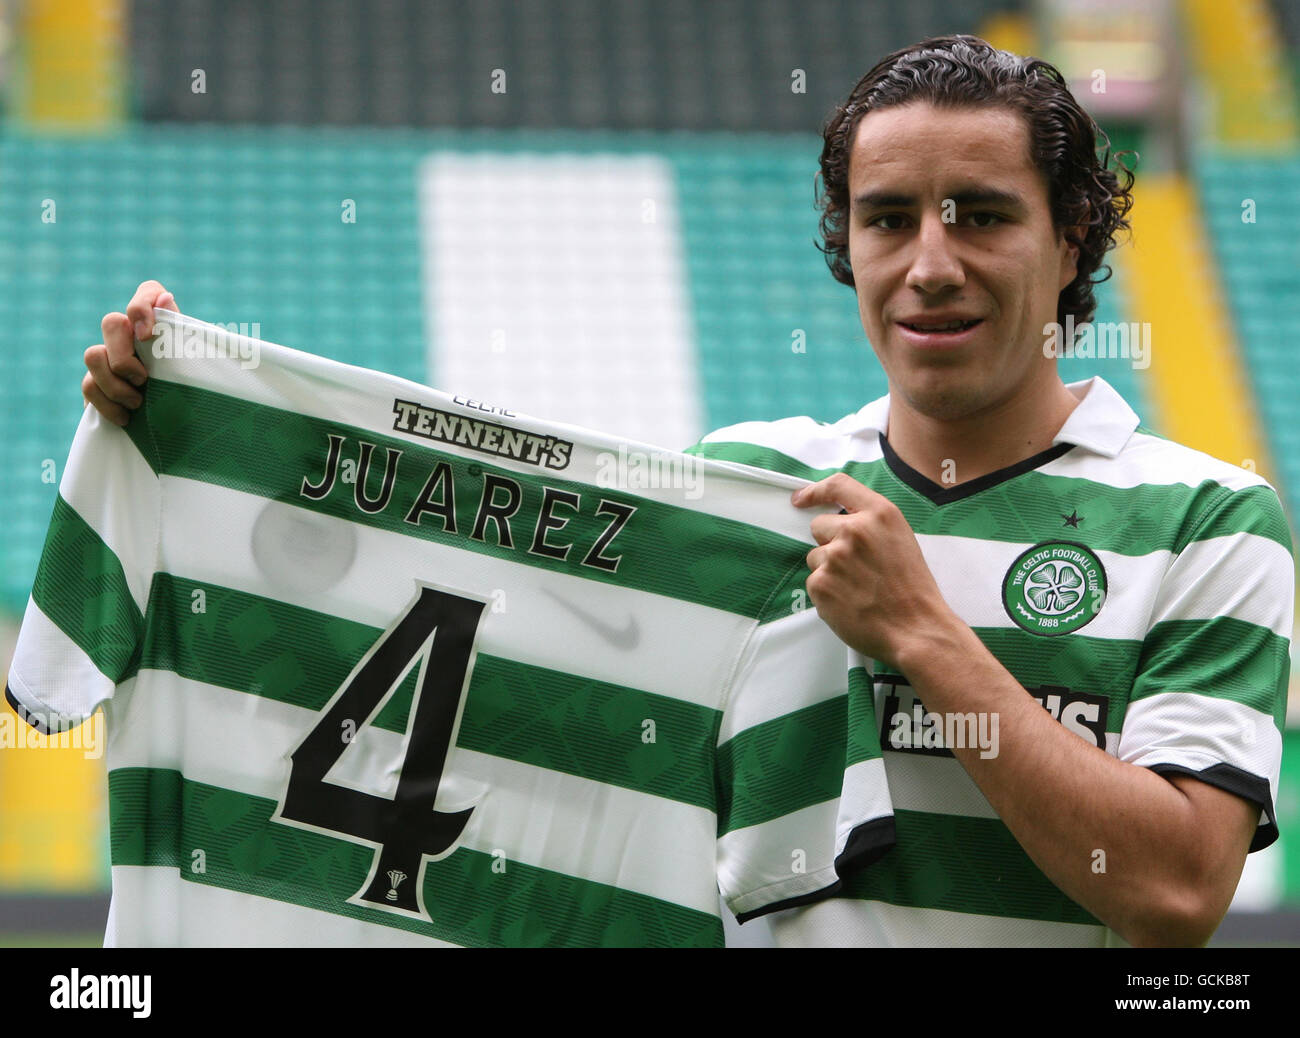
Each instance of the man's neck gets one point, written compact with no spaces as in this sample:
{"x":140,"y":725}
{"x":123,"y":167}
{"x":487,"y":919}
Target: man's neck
{"x":950,"y":453}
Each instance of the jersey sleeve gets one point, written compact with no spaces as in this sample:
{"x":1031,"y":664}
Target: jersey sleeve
{"x":1210,"y":695}
{"x":84,"y":623}
{"x":802,"y":796}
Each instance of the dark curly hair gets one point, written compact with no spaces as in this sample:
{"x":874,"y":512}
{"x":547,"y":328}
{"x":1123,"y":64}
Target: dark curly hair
{"x":965,"y":71}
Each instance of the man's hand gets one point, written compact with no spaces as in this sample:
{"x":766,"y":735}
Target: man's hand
{"x":869,"y":581}
{"x":114,"y":369}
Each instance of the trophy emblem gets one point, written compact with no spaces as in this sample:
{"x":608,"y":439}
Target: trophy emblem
{"x":395,"y":877}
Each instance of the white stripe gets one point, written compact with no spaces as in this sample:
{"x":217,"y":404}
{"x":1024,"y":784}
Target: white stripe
{"x":554,"y":284}
{"x":358,"y":397}
{"x":1199,"y":731}
{"x":846,"y":923}
{"x":795,"y":854}
{"x":864,"y":798}
{"x":153,"y":906}
{"x":806,"y":440}
{"x":773,"y":861}
{"x":1262,"y":887}
{"x":1150,"y":461}
{"x":554,"y":821}
{"x":1145,"y":461}
{"x":110,"y":485}
{"x":50,"y":674}
{"x":970,"y":572}
{"x":1141,"y":590}
{"x":789,"y":664}
{"x":682,"y":649}
{"x":938,"y":785}
{"x":1242,"y":575}
{"x":941,"y":785}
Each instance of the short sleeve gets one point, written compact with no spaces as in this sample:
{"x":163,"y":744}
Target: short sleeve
{"x":1210,"y":695}
{"x":802,"y":796}
{"x":84,"y":621}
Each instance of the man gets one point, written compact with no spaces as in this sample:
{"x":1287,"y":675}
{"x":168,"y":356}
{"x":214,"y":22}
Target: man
{"x":1077,"y":631}
{"x":1140,"y":591}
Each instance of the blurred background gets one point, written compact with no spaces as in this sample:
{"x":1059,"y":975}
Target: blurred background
{"x":599,"y":211}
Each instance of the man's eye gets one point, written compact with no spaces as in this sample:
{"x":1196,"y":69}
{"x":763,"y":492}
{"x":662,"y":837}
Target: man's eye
{"x":875,"y":221}
{"x":993,"y":218}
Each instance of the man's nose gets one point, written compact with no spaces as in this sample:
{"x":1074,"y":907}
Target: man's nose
{"x":935,"y":265}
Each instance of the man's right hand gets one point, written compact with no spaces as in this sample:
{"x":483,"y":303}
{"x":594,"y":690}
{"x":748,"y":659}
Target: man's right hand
{"x":115,"y":370}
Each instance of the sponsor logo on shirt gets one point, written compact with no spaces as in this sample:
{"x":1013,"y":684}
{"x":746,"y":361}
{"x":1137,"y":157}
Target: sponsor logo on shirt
{"x":538,"y":449}
{"x":907,"y":726}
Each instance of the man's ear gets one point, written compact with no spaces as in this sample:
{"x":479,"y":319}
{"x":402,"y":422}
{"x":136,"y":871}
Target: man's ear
{"x":1070,"y":261}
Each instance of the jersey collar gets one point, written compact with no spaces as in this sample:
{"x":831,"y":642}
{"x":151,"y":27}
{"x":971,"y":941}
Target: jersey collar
{"x":1102,"y":422}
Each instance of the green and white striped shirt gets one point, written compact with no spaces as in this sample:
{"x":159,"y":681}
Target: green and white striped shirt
{"x":1140,"y":590}
{"x":380,"y":665}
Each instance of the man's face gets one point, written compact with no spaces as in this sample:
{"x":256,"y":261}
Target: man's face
{"x":949,"y":216}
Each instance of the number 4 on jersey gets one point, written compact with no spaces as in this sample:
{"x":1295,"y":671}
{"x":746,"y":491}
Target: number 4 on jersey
{"x":439,"y":629}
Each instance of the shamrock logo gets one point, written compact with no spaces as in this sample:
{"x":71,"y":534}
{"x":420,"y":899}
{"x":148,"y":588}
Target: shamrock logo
{"x":1052,"y":587}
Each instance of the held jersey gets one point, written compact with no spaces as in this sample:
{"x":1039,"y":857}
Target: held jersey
{"x":381,"y":665}
{"x":1141,"y":591}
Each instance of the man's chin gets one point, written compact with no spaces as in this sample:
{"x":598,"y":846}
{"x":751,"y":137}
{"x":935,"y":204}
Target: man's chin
{"x":944,"y":401}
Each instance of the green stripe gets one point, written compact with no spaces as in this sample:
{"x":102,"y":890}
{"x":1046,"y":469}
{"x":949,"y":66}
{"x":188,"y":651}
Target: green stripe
{"x":1256,"y":510}
{"x":159,"y":818}
{"x":81,"y":587}
{"x":593,"y":729}
{"x":1222,"y":658}
{"x":863,"y":724}
{"x":140,"y":432}
{"x":1098,"y":666}
{"x":962,"y":864}
{"x":683,"y":554}
{"x":791,"y":762}
{"x":1130,"y":521}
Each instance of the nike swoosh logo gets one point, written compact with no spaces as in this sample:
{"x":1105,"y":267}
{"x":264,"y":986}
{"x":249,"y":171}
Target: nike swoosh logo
{"x":625,"y":637}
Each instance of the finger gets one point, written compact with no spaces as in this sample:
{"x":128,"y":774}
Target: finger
{"x":114,"y":387}
{"x":838,"y":490}
{"x":140,"y":310}
{"x":119,"y":347}
{"x":825,"y":527}
{"x":815,"y":558}
{"x":115,"y":413}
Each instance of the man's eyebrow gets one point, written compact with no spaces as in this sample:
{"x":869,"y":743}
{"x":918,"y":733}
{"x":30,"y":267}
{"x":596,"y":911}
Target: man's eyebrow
{"x":971,"y":196}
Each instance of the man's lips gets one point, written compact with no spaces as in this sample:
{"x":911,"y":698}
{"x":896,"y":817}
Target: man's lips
{"x":932,"y":339}
{"x":940,"y":324}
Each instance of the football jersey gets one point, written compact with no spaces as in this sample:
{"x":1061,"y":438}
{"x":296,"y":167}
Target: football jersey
{"x":1141,"y":591}
{"x":381,"y":665}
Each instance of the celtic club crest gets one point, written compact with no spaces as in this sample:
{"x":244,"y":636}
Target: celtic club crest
{"x":1054,"y":588}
